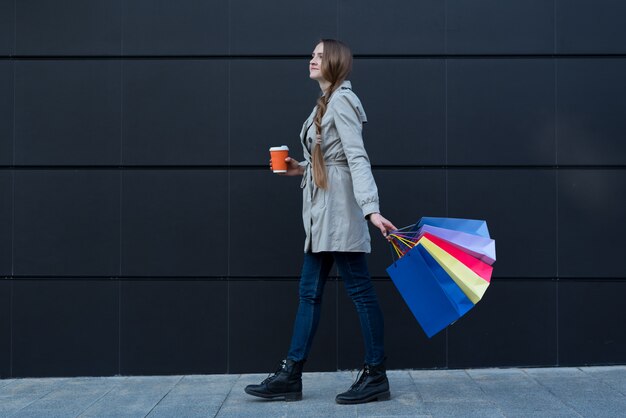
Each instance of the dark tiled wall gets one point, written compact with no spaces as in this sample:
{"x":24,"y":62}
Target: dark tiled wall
{"x":142,"y":233}
{"x":65,"y":327}
{"x":67,"y":112}
{"x":66,"y":222}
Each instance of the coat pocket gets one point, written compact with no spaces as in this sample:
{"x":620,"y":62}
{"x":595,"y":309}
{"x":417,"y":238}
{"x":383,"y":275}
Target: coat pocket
{"x":318,"y":200}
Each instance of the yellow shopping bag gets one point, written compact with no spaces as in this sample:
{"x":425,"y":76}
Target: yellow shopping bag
{"x":470,"y":283}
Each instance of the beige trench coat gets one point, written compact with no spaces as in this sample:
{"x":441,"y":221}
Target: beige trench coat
{"x":334,"y":218}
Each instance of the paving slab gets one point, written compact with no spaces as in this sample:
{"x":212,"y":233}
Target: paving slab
{"x":6,"y":382}
{"x":583,"y":392}
{"x":515,"y":393}
{"x":70,"y":397}
{"x":21,"y":393}
{"x":447,"y":386}
{"x":463,"y":408}
{"x":133,"y":397}
{"x":195,"y":396}
{"x":612,"y":376}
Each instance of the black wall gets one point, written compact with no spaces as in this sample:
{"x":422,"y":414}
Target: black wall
{"x":136,"y":205}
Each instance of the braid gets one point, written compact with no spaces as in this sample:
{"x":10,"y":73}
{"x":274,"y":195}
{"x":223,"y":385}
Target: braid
{"x":319,"y":168}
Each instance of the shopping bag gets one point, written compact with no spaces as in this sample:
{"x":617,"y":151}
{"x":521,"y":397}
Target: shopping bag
{"x":477,"y":246}
{"x":484,"y":270}
{"x":432,"y":296}
{"x":460,"y":301}
{"x":470,"y":226}
{"x":472,"y":284}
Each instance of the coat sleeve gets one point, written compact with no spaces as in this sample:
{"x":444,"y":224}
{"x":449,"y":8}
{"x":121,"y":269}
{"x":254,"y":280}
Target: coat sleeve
{"x":348,"y":117}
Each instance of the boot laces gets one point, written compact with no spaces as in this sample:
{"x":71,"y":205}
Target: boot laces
{"x":281,"y":366}
{"x":360,"y":377}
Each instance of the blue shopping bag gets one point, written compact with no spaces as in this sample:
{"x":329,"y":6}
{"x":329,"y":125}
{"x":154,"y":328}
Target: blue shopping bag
{"x":430,"y":293}
{"x":455,"y":294}
{"x":470,"y":226}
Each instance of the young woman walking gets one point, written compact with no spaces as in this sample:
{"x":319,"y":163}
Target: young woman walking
{"x":339,"y":196}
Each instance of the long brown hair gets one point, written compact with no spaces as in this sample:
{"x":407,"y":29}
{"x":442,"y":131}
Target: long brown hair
{"x":336,"y":65}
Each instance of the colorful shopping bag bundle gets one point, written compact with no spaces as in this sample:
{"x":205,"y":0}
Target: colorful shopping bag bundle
{"x":442,"y":268}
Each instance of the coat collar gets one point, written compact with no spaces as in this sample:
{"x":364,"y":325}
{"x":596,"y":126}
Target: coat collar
{"x":344,"y":85}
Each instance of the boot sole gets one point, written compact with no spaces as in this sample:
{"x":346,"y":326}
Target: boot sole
{"x":287,"y":397}
{"x":385,"y":396}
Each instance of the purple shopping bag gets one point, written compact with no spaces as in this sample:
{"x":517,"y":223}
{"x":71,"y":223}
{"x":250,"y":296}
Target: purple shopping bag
{"x":480,"y":247}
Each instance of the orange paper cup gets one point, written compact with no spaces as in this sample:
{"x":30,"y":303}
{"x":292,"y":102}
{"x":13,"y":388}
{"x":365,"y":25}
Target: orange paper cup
{"x":278,"y":155}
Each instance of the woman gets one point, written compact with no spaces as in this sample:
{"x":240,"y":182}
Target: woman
{"x":339,"y":196}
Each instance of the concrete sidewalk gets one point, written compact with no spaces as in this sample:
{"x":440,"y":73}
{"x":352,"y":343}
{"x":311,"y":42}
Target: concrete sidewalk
{"x":547,"y":392}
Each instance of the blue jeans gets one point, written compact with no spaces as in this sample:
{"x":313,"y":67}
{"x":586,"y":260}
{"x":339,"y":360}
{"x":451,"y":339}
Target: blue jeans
{"x":353,"y":270}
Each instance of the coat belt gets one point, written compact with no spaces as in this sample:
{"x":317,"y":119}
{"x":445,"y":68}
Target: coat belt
{"x":308,"y":173}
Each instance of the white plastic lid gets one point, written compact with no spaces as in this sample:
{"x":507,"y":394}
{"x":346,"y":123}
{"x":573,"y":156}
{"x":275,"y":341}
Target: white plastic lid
{"x":281,"y":148}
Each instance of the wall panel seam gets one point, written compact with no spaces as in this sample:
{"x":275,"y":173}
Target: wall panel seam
{"x":445,"y":29}
{"x":11,"y":326}
{"x":300,"y":57}
{"x":264,"y":167}
{"x":556,"y":160}
{"x":555,"y":28}
{"x":337,"y":19}
{"x":15,"y":27}
{"x":13,"y":175}
{"x":120,"y":172}
{"x":557,"y":319}
{"x":229,"y":220}
{"x":122,"y":27}
{"x":246,"y":167}
{"x":121,"y":214}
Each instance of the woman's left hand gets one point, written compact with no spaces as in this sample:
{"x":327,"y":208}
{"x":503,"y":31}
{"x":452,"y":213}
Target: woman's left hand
{"x":383,"y":224}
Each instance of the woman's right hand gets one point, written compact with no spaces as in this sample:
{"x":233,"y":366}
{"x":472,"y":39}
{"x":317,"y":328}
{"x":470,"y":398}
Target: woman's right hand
{"x":293,"y":168}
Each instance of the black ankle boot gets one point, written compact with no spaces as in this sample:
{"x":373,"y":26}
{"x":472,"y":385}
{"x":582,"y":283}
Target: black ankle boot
{"x":372,"y":385}
{"x":285,"y":383}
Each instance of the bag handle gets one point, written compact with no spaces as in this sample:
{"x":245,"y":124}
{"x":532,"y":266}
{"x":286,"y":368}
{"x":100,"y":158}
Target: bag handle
{"x":402,"y":240}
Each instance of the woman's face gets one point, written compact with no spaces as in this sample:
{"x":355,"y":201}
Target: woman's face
{"x":315,"y":65}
